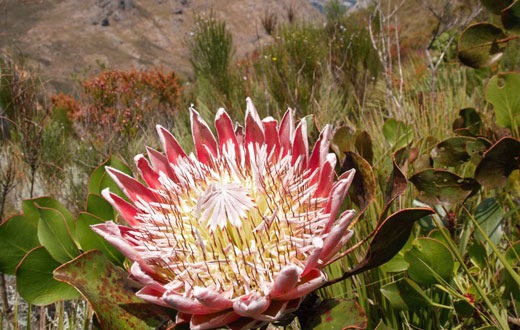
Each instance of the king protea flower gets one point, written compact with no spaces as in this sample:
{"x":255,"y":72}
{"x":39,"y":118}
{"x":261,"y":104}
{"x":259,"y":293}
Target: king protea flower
{"x":238,"y":233}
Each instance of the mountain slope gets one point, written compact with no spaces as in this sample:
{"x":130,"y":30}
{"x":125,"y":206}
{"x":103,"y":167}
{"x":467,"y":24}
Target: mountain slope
{"x":63,"y":38}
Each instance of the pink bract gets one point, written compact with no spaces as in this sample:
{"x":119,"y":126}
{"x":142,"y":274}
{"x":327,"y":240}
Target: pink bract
{"x":238,"y":233}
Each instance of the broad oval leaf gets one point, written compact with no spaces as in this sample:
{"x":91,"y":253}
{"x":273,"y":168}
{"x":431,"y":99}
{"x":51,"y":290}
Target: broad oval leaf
{"x":397,"y":133}
{"x":443,"y":187}
{"x":481,"y":45}
{"x":31,"y":207}
{"x":55,"y":234}
{"x":18,"y":235}
{"x":498,"y":162}
{"x":89,"y":240}
{"x":424,"y":261}
{"x":502,"y":91}
{"x":392,"y":234}
{"x":99,"y":207}
{"x":115,"y":304}
{"x":35,"y":282}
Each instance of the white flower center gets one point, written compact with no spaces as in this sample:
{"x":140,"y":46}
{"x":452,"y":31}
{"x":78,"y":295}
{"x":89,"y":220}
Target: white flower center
{"x":221,"y":204}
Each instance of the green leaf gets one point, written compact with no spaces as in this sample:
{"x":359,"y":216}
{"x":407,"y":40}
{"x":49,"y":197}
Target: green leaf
{"x":512,"y":289}
{"x":481,"y":45}
{"x":99,"y":179}
{"x":397,"y":133}
{"x":35,"y":282}
{"x":335,"y":314}
{"x":463,"y":307}
{"x":55,"y":234}
{"x":424,"y":261}
{"x":110,"y":293}
{"x":498,"y":162}
{"x":477,"y":254}
{"x":511,"y":17}
{"x":98,"y":206}
{"x":496,"y":6}
{"x":443,"y":187}
{"x":31,"y":207}
{"x":404,"y":294}
{"x":503,"y":92}
{"x":18,"y":235}
{"x":89,"y":240}
{"x":490,"y":217}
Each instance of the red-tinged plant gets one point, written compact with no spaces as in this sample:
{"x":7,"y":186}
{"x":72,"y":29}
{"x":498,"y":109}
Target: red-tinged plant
{"x":118,"y":101}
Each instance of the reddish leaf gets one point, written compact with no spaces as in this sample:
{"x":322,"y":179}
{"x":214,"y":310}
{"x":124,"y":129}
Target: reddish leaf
{"x":363,"y":189}
{"x":443,"y":187}
{"x":498,"y":162}
{"x":109,"y":291}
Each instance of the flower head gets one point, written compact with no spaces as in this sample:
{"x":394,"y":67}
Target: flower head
{"x":236,"y":234}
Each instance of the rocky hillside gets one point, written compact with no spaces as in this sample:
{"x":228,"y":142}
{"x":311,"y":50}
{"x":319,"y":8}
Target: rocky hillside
{"x":65,"y":38}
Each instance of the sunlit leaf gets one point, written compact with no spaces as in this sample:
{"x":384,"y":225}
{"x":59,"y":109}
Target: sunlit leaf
{"x":55,"y":234}
{"x":423,"y":259}
{"x":481,"y":45}
{"x":498,"y":162}
{"x":443,"y":187}
{"x":98,"y":206}
{"x":35,"y":282}
{"x":397,"y":133}
{"x":18,"y":235}
{"x":116,"y":305}
{"x":31,"y":207}
{"x":502,"y":92}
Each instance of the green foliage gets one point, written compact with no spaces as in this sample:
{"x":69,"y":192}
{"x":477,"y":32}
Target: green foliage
{"x":502,"y":92}
{"x":211,"y":54}
{"x":46,"y":236}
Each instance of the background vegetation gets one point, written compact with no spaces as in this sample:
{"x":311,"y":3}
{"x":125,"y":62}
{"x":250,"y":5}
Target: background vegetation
{"x":399,"y":97}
